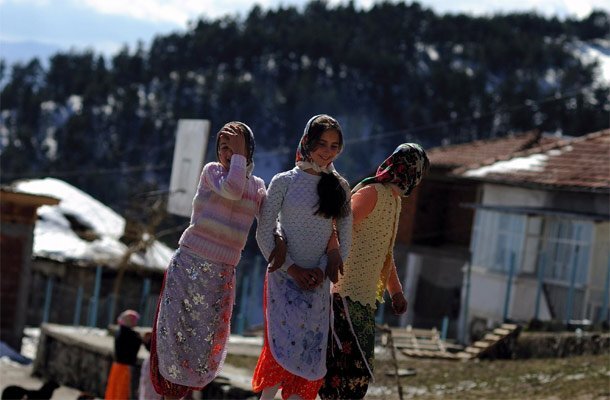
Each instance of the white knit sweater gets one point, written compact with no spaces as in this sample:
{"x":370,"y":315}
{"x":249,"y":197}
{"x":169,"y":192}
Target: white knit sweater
{"x":292,"y":196}
{"x":298,"y":320}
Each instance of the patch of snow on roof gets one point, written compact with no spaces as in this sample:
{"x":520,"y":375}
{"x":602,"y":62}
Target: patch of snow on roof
{"x":102,"y":219}
{"x":54,"y":237}
{"x":534,"y":162}
{"x":157,"y":255}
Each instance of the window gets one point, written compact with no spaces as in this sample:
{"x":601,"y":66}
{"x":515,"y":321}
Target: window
{"x":567,"y":243}
{"x":496,"y":237}
{"x":564,"y":243}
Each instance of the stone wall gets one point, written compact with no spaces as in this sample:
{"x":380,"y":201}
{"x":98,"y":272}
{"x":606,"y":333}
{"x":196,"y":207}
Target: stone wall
{"x":81,"y":358}
{"x":81,"y":364}
{"x":560,"y":344}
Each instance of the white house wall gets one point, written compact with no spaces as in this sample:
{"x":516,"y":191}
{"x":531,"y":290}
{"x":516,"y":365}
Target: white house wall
{"x":413,"y":269}
{"x":501,"y":195}
{"x":488,"y":288}
{"x":523,"y":301}
{"x":488,"y":294}
{"x":487,"y":291}
{"x":504,"y":195}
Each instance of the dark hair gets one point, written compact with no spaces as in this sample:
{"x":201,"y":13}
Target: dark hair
{"x":333,"y":199}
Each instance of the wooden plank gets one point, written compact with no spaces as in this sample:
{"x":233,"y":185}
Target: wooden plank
{"x":411,"y":337}
{"x":425,"y":343}
{"x":430,"y":354}
{"x":511,"y":327}
{"x":415,"y":332}
{"x":420,"y":346}
{"x":492,"y":337}
{"x":500,"y":331}
{"x":482,"y":344}
{"x":412,"y":353}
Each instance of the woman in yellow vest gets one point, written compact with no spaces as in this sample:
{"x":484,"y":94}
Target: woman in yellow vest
{"x":368,"y":270}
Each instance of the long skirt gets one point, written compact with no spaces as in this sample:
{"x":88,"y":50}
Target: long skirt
{"x":119,"y":382}
{"x":192,"y":324}
{"x":348,"y":376}
{"x":146,"y":390}
{"x":269,"y":373}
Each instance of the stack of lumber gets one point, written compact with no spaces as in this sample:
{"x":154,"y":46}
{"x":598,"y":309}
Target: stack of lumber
{"x":426,"y":343}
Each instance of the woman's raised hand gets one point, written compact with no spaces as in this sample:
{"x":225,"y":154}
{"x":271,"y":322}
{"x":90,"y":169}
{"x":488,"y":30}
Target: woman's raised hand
{"x":235,"y":138}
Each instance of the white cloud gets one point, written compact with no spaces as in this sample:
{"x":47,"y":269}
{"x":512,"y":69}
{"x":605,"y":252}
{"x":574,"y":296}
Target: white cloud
{"x":179,"y":12}
{"x":107,"y":25}
{"x":582,"y":8}
{"x":175,"y":11}
{"x":30,"y":2}
{"x":561,"y":8}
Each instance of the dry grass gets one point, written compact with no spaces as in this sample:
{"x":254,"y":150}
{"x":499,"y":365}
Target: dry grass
{"x":581,"y":378}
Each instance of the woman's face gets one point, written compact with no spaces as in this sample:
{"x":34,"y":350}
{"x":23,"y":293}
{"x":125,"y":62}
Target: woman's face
{"x":224,"y":152}
{"x":327,"y":148}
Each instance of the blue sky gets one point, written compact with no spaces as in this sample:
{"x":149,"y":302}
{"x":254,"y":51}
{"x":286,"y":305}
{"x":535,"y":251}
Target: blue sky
{"x":106,"y":25}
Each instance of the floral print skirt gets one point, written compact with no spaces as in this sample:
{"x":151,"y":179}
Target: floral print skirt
{"x":348,"y":376}
{"x":192,"y":324}
{"x":269,"y":373}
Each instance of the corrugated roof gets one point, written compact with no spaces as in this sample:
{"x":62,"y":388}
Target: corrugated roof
{"x":581,"y":163}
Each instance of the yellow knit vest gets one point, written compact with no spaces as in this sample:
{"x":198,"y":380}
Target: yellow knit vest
{"x":366,"y":269}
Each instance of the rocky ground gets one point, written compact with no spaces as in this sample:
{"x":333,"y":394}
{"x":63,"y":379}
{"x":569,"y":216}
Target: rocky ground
{"x":580,"y":377}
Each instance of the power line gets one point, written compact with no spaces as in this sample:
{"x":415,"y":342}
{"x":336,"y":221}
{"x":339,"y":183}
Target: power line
{"x":286,"y":150}
{"x":507,"y":109}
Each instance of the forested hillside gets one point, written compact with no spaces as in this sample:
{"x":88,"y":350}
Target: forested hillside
{"x":393,"y":73}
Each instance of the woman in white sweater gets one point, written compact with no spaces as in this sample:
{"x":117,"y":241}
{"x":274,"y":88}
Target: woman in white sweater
{"x":297,"y":302}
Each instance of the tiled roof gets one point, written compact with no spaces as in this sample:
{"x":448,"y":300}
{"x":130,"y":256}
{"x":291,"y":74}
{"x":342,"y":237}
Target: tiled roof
{"x":581,"y":163}
{"x":485,"y":151}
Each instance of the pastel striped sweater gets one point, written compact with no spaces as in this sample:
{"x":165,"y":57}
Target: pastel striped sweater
{"x":223,"y":211}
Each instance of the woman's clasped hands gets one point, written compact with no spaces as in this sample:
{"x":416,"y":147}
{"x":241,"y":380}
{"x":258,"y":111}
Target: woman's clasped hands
{"x":306,"y":278}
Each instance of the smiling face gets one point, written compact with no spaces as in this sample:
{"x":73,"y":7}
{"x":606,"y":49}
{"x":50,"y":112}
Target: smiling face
{"x":327,"y":148}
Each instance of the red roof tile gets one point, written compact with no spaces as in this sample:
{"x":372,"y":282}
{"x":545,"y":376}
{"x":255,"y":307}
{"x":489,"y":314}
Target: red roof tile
{"x":581,"y":163}
{"x":485,"y":151}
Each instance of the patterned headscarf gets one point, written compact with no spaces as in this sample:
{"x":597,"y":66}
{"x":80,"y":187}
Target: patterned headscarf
{"x":404,"y":168}
{"x":308,"y":142}
{"x":249,"y":137}
{"x":128,"y":318}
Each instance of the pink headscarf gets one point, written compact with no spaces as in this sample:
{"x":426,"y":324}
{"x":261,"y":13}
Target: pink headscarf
{"x":128,"y":318}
